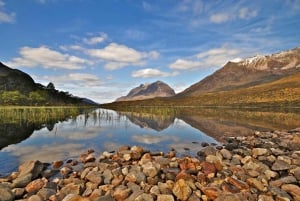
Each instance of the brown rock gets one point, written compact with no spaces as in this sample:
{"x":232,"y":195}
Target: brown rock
{"x":182,"y":190}
{"x":22,"y":180}
{"x":35,"y":198}
{"x":94,"y":177}
{"x":257,"y":184}
{"x":121,"y":193}
{"x":34,"y":186}
{"x":57,"y":164}
{"x":229,"y":197}
{"x":211,"y":192}
{"x":73,"y":197}
{"x":237,"y":183}
{"x":280,"y":165}
{"x":33,"y":167}
{"x":208,"y":169}
{"x":184,"y":175}
{"x":6,"y":193}
{"x":72,"y":189}
{"x":144,"y":197}
{"x":163,"y":197}
{"x":292,"y":189}
{"x":259,"y":152}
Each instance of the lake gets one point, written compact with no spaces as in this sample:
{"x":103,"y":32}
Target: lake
{"x":65,"y":134}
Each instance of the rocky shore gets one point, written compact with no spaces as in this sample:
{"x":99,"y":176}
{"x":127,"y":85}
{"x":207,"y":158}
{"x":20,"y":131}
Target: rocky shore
{"x":263,"y":166}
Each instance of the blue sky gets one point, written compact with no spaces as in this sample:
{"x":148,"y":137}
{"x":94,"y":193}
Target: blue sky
{"x":100,"y":49}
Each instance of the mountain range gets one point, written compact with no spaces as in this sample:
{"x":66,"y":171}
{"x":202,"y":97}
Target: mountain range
{"x":260,"y":80}
{"x":146,"y":91}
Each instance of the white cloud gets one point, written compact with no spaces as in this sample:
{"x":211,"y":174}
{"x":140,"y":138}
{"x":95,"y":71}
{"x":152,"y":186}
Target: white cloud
{"x":219,"y":18}
{"x":4,"y":16}
{"x":114,"y":65}
{"x":242,"y":14}
{"x":71,"y":47}
{"x":47,"y":58}
{"x":118,"y":56}
{"x":117,"y":53}
{"x":245,"y":13}
{"x":181,"y":64}
{"x":75,"y":80}
{"x":95,"y":40}
{"x":151,"y":72}
{"x":217,"y":57}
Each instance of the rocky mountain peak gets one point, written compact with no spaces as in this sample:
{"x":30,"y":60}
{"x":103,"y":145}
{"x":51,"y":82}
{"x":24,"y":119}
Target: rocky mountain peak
{"x":148,"y":90}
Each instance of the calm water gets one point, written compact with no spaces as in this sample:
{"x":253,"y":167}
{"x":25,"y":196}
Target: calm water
{"x":107,"y":130}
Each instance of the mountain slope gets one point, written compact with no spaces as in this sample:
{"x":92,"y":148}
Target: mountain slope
{"x":146,"y":91}
{"x":18,"y":88}
{"x":13,"y":79}
{"x":249,"y":72}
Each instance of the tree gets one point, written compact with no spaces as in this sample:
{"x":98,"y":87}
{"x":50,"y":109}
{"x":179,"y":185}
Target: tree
{"x":13,"y":98}
{"x":50,"y":86}
{"x":36,"y":97}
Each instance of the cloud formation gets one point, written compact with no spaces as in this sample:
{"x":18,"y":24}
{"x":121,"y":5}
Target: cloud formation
{"x":95,"y":40}
{"x":151,"y":72}
{"x":47,"y":58}
{"x":118,"y":56}
{"x":4,"y":16}
{"x":242,"y":14}
{"x":182,"y":64}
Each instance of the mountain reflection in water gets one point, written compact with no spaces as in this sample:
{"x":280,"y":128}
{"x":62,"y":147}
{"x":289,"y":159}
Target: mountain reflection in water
{"x":67,"y":134}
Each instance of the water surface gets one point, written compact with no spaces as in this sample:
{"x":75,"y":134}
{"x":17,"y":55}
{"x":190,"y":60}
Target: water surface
{"x":157,"y":129}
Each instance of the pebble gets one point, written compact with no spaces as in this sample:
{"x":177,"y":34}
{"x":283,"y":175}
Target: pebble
{"x":263,"y":166}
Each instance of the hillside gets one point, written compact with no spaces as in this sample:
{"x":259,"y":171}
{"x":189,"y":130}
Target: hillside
{"x":284,"y":92}
{"x":249,"y":72}
{"x":146,"y":91}
{"x":18,"y":88}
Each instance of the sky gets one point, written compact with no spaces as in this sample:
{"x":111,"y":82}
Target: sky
{"x":101,"y":49}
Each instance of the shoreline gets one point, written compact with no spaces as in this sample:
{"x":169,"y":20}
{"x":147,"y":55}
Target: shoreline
{"x":262,"y":166}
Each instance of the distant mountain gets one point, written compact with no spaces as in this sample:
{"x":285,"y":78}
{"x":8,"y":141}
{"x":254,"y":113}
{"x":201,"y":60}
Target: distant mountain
{"x":18,"y":88}
{"x":249,"y":72}
{"x":146,"y":91}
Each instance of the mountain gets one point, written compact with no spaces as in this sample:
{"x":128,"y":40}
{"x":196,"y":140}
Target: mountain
{"x":249,"y":72}
{"x":13,"y":79}
{"x":146,"y":91}
{"x":18,"y":88}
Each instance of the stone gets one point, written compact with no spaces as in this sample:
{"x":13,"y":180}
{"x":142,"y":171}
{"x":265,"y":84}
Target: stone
{"x":259,"y":152}
{"x":33,"y":167}
{"x":149,"y":169}
{"x":163,"y":197}
{"x":121,"y":193}
{"x":182,"y":190}
{"x":34,"y":186}
{"x":209,"y":169}
{"x":22,"y":180}
{"x":6,"y":193}
{"x":57,"y":164}
{"x":211,"y":192}
{"x":18,"y":192}
{"x":284,"y":180}
{"x":144,"y":197}
{"x":65,"y":171}
{"x":209,"y":150}
{"x":95,"y":177}
{"x":237,"y":183}
{"x":280,"y":165}
{"x":270,"y":174}
{"x":73,"y":197}
{"x":72,"y":189}
{"x":292,"y":189}
{"x":45,"y":193}
{"x":226,"y":154}
{"x":257,"y":184}
{"x":107,"y":176}
{"x":35,"y":198}
{"x":229,"y":197}
{"x":296,"y":173}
